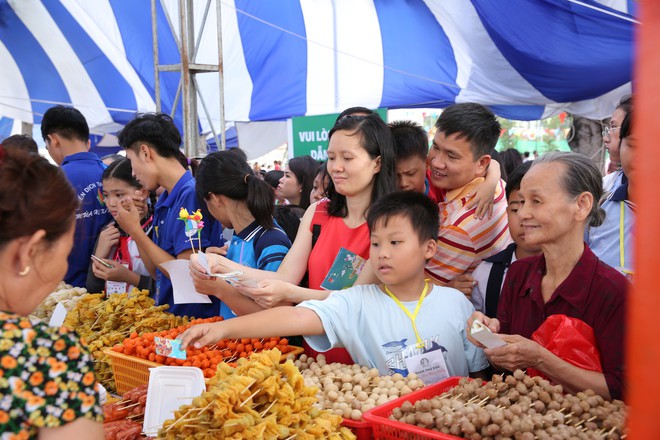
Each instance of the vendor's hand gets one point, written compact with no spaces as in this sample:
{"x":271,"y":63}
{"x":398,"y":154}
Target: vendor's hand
{"x":108,"y":238}
{"x":492,"y":323}
{"x":483,"y":199}
{"x":268,"y":293}
{"x":519,"y":352}
{"x":128,"y":217}
{"x":118,"y":272}
{"x":201,"y":335}
{"x":218,"y":250}
{"x":464,"y":283}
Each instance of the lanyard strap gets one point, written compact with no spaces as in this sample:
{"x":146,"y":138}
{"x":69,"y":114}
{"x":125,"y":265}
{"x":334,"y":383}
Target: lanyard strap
{"x":412,"y":316}
{"x":622,"y":258}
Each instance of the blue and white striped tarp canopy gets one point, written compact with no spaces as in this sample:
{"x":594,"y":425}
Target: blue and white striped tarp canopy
{"x":526,"y":59}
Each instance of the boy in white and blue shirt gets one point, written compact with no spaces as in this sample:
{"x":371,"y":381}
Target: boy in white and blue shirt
{"x":402,"y":325}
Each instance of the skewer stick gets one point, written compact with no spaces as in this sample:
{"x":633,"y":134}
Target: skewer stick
{"x":180,"y":419}
{"x":194,"y":426}
{"x":249,"y":397}
{"x":207,"y":406}
{"x":247,"y":387}
{"x":269,"y":407}
{"x":128,"y":406}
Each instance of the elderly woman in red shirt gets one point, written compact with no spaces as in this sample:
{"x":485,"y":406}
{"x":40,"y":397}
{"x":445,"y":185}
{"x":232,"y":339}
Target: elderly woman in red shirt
{"x":561,"y":194}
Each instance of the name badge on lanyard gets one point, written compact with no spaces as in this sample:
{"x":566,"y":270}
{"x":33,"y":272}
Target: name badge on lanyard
{"x":112,"y":287}
{"x":430,"y":367}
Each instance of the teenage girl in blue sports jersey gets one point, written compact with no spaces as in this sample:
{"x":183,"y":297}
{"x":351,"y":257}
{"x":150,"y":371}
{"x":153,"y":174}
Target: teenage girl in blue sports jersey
{"x":245,"y":203}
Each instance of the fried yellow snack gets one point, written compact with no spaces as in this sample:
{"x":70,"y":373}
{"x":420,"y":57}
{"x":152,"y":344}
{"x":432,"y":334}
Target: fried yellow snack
{"x":259,"y":398}
{"x":103,"y":323}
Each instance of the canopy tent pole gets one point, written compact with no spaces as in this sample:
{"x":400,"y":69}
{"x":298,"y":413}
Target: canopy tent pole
{"x":188,"y":69}
{"x":643,"y":347}
{"x":154,"y":40}
{"x":187,"y":26}
{"x":221,"y":77}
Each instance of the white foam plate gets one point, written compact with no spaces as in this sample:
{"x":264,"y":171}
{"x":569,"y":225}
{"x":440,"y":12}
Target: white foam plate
{"x":170,"y":388}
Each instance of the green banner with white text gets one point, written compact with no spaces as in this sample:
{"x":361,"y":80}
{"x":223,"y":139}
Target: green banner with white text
{"x":308,"y":135}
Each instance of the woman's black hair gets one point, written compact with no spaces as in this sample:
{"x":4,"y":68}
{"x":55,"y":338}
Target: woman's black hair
{"x":377,"y":140}
{"x":288,"y":218}
{"x":304,"y":168}
{"x":225,"y":173}
{"x":121,"y":169}
{"x":273,"y":177}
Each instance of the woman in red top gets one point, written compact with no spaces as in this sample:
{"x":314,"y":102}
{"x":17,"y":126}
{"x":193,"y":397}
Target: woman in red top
{"x":560,"y":195}
{"x":361,"y":168}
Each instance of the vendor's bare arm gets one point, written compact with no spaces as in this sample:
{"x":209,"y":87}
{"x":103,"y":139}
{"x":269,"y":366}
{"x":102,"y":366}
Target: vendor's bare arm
{"x":573,"y":378}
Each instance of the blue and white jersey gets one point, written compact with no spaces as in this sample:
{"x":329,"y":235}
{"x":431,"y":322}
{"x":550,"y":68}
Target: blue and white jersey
{"x":259,"y":248}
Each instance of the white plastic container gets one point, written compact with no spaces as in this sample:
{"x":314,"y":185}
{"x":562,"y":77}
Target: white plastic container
{"x":170,"y":388}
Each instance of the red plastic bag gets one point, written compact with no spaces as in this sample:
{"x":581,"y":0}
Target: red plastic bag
{"x":571,"y":339}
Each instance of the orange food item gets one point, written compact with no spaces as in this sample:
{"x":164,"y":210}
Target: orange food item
{"x":206,"y":358}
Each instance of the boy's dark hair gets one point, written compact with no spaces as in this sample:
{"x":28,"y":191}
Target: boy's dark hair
{"x":513,"y":184}
{"x":511,"y":159}
{"x":67,"y":122}
{"x":626,"y":125}
{"x":21,"y":142}
{"x":416,"y":207}
{"x":155,"y":129}
{"x":376,"y":139}
{"x":472,"y":122}
{"x":410,"y":140}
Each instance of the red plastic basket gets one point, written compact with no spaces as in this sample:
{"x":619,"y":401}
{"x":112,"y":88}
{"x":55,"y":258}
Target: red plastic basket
{"x":361,"y":428}
{"x":384,"y":428}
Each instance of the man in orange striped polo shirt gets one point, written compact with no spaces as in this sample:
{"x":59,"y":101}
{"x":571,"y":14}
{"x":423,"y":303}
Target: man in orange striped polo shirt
{"x":459,"y":157}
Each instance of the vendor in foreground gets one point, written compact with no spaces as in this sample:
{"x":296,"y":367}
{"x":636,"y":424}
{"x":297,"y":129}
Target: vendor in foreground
{"x":560,"y":195}
{"x":404,"y":324}
{"x":47,"y":385}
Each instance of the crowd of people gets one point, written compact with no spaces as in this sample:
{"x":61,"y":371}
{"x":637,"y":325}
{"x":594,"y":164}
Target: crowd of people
{"x":428,"y":239}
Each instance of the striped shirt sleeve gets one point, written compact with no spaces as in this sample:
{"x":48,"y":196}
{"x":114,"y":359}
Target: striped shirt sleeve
{"x":454,"y":255}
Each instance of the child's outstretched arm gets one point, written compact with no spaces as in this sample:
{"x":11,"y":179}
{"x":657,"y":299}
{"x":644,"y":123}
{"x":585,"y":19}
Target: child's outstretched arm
{"x":279,"y":321}
{"x":485,"y":192}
